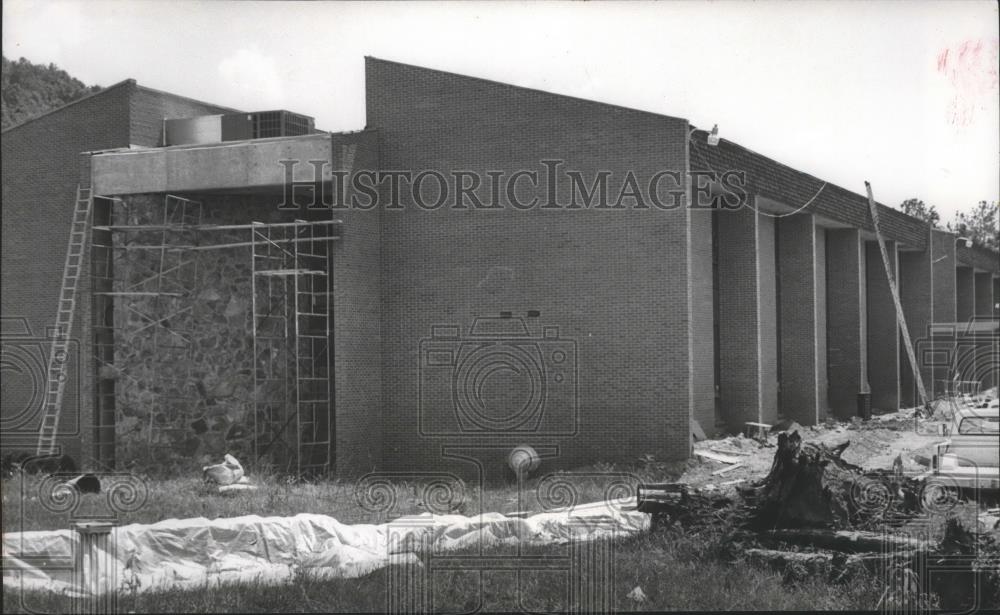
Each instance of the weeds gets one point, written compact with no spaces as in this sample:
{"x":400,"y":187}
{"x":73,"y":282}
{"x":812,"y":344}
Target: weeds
{"x":676,"y":568}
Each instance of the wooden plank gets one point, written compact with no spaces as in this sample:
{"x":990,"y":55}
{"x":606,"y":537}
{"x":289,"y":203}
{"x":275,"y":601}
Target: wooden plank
{"x":728,"y":451}
{"x":717,"y":457}
{"x":726,"y":469}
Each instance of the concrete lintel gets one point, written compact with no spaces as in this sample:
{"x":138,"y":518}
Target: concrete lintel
{"x":240,"y":164}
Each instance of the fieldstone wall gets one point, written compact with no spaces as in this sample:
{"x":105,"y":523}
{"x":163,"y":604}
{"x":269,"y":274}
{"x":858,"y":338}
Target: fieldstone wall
{"x":183,"y":361}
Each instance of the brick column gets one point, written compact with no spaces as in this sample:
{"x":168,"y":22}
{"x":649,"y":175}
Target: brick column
{"x":741,"y":298}
{"x":965,"y":294}
{"x":996,"y":297}
{"x":883,"y":332}
{"x":983,"y":289}
{"x":802,"y":286}
{"x":847,"y":337}
{"x":702,"y":308}
{"x":943,"y":289}
{"x":916,"y":295}
{"x":986,"y":355}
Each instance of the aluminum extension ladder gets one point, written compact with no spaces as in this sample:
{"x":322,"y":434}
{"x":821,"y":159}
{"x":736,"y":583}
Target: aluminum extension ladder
{"x":55,"y":380}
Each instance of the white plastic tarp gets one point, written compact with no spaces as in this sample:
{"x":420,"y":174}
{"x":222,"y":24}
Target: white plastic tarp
{"x":194,"y":552}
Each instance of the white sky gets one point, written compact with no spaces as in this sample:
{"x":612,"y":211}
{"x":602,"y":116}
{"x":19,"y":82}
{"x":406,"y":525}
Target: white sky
{"x":847,"y":91}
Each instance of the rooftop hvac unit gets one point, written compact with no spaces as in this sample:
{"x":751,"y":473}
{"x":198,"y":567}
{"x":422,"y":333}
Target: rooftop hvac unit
{"x":280,"y":124}
{"x":204,"y":129}
{"x":236,"y":127}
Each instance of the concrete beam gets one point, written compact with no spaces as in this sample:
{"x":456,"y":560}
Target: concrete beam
{"x":883,"y":331}
{"x":240,"y":164}
{"x":802,"y":292}
{"x":847,"y":336}
{"x":747,"y":320}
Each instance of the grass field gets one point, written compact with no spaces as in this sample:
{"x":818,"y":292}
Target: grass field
{"x":26,"y":506}
{"x":675,"y":570}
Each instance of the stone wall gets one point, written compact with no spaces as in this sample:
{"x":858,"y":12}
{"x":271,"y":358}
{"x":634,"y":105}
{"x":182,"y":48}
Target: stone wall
{"x":183,"y":362}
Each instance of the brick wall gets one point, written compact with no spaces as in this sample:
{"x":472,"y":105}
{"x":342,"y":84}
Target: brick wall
{"x":943,"y":288}
{"x":357,"y":316}
{"x":915,"y":293}
{"x":978,"y":257}
{"x":150,"y":107}
{"x":983,"y":282}
{"x":847,"y":348}
{"x":822,"y":343}
{"x":943,"y":275}
{"x":883,"y":333}
{"x":613,"y":281}
{"x":40,"y":175}
{"x":702,"y":315}
{"x":739,"y":298}
{"x":767,"y":273}
{"x":965,"y":294}
{"x":769,"y":178}
{"x":800,"y":281}
{"x":987,"y":361}
{"x":41,"y":170}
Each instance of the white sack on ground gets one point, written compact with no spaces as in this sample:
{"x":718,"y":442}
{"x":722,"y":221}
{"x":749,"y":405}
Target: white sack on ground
{"x":192,"y":552}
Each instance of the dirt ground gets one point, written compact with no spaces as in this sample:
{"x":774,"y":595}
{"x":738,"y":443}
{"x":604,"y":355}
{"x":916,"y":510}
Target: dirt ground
{"x":874,"y":445}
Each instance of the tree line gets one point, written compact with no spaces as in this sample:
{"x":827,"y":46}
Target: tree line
{"x":978,"y":223}
{"x":29,"y":90}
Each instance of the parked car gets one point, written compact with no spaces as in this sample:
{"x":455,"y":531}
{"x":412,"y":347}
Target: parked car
{"x":969,"y":460}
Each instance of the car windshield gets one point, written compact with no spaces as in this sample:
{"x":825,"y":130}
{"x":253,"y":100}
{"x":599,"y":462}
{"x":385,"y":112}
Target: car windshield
{"x":979,"y":425}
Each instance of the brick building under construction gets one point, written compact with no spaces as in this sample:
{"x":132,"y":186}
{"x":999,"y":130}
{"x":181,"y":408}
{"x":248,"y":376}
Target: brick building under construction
{"x":235,"y":293}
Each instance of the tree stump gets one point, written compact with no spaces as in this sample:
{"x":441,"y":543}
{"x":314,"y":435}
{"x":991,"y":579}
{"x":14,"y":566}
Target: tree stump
{"x":811,"y":486}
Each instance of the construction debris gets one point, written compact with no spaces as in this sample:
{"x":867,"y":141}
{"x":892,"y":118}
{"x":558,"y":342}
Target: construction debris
{"x":637,"y":595}
{"x":727,"y":469}
{"x":228,"y":472}
{"x":697,"y":432}
{"x":84,"y":483}
{"x":757,"y":431}
{"x":717,"y":457}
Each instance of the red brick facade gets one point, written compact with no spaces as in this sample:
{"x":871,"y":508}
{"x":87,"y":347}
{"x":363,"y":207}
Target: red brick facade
{"x":638,"y":319}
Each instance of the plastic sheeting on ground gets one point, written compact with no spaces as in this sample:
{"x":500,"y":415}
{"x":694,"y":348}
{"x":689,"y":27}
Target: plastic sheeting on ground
{"x":191,"y":553}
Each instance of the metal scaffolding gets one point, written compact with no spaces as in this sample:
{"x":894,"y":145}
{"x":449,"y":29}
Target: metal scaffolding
{"x":145,"y":271}
{"x":291,"y":346}
{"x":154,"y":293}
